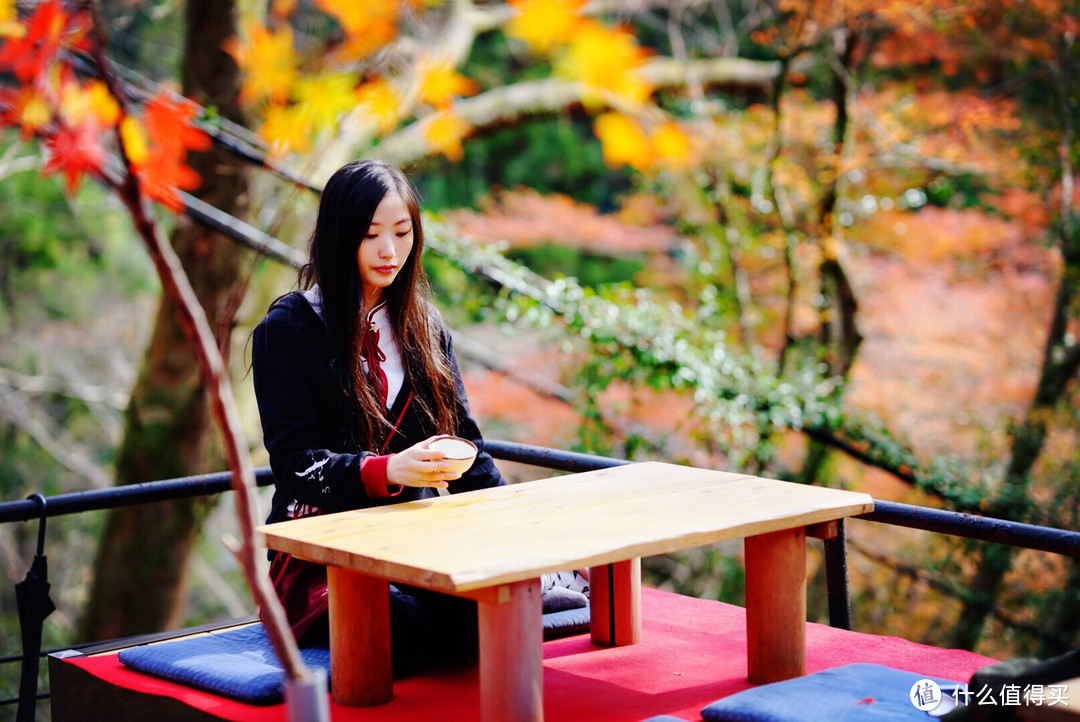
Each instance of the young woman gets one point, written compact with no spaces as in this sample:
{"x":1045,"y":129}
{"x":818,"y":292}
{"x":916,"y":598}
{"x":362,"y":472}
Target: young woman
{"x":353,"y":375}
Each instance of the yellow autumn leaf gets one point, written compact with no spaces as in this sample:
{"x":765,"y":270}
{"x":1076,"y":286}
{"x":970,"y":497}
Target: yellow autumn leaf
{"x":324,"y":97}
{"x":672,"y":145}
{"x":268,"y":62}
{"x":32,"y":109}
{"x":440,"y":82}
{"x":445,"y":132}
{"x":10,"y":27}
{"x":92,"y":102}
{"x":135,"y":145}
{"x":605,"y":59}
{"x":382,"y":102}
{"x":102,"y":103}
{"x":367,"y":25}
{"x":544,"y":24}
{"x":624,"y":141}
{"x":286,"y":128}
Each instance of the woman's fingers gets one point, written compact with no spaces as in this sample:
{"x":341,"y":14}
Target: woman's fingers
{"x":418,"y":466}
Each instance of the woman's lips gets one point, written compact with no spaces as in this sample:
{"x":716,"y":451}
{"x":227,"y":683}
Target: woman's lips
{"x":385,"y":269}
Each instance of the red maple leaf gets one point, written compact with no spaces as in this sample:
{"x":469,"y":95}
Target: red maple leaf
{"x":163,"y":173}
{"x":29,"y":56}
{"x":168,"y":124}
{"x":75,"y":150}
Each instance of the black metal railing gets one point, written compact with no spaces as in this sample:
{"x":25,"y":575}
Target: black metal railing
{"x":971,"y":526}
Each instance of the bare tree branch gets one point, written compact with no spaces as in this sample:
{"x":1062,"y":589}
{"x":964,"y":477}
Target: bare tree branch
{"x":551,"y":95}
{"x":215,"y":374}
{"x":53,"y":440}
{"x":88,"y":393}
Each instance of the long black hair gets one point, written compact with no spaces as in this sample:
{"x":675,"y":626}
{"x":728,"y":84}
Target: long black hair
{"x":347,"y":205}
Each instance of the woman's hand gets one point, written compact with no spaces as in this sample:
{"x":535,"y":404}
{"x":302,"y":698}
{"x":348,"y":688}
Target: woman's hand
{"x":419,"y":466}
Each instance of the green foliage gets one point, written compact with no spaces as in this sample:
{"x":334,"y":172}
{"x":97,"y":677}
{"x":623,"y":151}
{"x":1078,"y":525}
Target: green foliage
{"x":588,"y":268}
{"x":958,"y":190}
{"x":57,"y":249}
{"x":710,"y":572}
{"x":493,"y":62}
{"x":550,"y":155}
{"x":146,"y":35}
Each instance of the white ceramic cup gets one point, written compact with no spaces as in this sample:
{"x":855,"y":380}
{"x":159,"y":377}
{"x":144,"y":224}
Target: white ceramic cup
{"x":460,"y":453}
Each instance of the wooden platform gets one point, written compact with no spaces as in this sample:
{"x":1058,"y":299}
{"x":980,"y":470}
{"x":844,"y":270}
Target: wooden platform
{"x":679,"y":666}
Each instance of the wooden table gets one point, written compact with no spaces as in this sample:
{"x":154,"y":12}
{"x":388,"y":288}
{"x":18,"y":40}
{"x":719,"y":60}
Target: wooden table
{"x":492,"y":545}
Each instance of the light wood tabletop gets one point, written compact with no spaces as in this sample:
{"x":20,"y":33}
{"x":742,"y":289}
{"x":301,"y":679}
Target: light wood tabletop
{"x":492,"y":545}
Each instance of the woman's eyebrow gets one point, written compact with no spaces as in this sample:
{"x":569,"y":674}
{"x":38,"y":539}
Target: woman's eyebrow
{"x":400,"y":221}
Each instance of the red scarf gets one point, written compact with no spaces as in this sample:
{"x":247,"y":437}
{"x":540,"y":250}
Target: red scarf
{"x":373,"y":355}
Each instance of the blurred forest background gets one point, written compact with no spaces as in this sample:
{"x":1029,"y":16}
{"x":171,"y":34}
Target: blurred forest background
{"x":830,"y":242}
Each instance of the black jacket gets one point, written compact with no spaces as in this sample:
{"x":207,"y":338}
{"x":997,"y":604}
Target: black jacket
{"x":306,"y":418}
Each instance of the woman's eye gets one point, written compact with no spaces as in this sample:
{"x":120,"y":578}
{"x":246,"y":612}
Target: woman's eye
{"x":403,"y":234}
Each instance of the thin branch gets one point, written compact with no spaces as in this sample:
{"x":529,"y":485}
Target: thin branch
{"x":212,"y":366}
{"x":53,"y":440}
{"x":87,"y":393}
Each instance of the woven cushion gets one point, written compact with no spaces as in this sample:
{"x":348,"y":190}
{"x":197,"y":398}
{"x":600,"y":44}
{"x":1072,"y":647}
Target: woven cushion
{"x":239,"y":663}
{"x":850,"y":693}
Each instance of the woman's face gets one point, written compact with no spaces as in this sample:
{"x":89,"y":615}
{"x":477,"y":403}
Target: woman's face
{"x":384,"y":248}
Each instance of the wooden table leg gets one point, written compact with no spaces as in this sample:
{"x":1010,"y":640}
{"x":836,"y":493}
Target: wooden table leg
{"x":615,"y":603}
{"x":361,"y":672}
{"x":776,"y":605}
{"x":511,"y":654}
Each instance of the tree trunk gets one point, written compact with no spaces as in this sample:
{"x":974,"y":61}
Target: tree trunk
{"x":140,"y":568}
{"x":839,"y":336}
{"x":1061,"y":360}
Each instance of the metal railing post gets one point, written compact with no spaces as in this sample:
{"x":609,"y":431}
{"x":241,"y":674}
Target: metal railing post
{"x":836,"y":579}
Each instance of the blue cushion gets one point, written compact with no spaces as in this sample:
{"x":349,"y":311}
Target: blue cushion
{"x":238,"y":663}
{"x":566,"y":623}
{"x":241,"y":663}
{"x":849,"y":693}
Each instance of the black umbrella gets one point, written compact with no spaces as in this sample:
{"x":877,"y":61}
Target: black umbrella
{"x":32,"y":598}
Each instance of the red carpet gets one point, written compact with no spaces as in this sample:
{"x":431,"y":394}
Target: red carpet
{"x":693,"y":652}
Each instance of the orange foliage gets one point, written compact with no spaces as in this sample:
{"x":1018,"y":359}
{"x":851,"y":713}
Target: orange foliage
{"x":76,"y":120}
{"x":382,"y":101}
{"x":953,"y":34}
{"x":440,"y":82}
{"x":367,"y":25}
{"x":605,"y":60}
{"x":444,"y":133}
{"x":267,"y":61}
{"x":937,"y":237}
{"x":526,"y":218}
{"x":544,"y":24}
{"x":165,"y":170}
